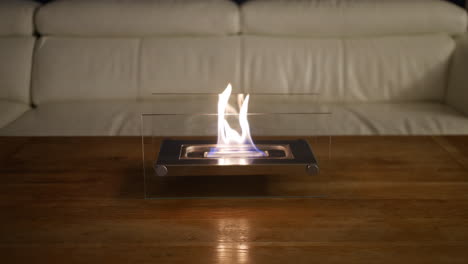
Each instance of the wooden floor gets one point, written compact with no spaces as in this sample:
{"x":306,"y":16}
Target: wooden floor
{"x":80,"y":200}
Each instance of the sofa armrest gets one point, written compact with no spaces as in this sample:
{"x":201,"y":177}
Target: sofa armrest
{"x":457,"y":93}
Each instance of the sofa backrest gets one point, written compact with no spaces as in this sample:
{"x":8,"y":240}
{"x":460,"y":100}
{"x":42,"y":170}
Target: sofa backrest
{"x":351,"y":18}
{"x":16,"y":48}
{"x":344,"y":50}
{"x":124,"y":49}
{"x":350,"y":50}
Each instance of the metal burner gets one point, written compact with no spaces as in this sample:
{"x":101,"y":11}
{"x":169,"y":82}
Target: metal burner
{"x":195,"y":152}
{"x":190,"y":158}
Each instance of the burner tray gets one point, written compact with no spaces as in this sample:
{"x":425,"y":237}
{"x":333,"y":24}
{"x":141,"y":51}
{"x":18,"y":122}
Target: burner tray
{"x":190,"y":158}
{"x":265,"y":152}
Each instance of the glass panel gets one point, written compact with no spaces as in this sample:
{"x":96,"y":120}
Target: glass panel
{"x":264,"y":145}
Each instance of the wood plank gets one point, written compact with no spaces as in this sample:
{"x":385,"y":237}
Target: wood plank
{"x":174,"y":231}
{"x":456,"y":146}
{"x":346,"y":190}
{"x":239,"y":253}
{"x":8,"y":146}
{"x":105,"y":209}
{"x":64,"y":154}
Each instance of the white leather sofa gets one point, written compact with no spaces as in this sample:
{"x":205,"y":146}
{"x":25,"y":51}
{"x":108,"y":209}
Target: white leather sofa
{"x":16,"y":49}
{"x":381,"y":67}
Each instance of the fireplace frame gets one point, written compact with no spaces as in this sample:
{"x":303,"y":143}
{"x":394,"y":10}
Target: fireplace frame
{"x":171,"y":157}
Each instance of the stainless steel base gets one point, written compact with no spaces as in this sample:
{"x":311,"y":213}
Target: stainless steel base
{"x":189,"y":158}
{"x":269,"y":151}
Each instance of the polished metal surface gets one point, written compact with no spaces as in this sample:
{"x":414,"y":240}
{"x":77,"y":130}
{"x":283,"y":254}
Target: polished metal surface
{"x":267,"y":151}
{"x":161,"y":170}
{"x":312,"y":169}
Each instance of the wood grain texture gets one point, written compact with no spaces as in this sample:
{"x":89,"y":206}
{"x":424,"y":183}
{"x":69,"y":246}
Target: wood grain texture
{"x":80,"y":200}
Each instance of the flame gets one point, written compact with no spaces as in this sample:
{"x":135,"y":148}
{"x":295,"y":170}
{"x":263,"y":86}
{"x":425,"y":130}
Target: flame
{"x":230,"y":143}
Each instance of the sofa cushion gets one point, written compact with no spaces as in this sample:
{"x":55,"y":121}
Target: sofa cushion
{"x":457,"y":93}
{"x":16,"y":17}
{"x":73,"y":69}
{"x":189,"y":65}
{"x":106,"y":118}
{"x":345,"y":18}
{"x":10,"y":111}
{"x":393,"y":68}
{"x":15,"y":68}
{"x":85,"y":69}
{"x":138,"y":18}
{"x":124,"y":118}
{"x":16,"y":49}
{"x":399,"y":119}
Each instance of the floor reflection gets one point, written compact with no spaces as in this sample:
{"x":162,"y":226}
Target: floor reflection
{"x":233,"y":237}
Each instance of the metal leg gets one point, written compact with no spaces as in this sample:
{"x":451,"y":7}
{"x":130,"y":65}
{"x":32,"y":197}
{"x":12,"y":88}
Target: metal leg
{"x":312,"y":169}
{"x":161,"y":170}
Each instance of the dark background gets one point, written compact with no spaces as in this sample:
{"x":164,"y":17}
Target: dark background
{"x":458,"y":2}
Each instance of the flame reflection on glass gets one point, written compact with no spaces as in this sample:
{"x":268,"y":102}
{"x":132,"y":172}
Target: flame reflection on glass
{"x":233,"y":147}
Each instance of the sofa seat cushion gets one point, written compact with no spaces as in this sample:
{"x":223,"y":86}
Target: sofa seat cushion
{"x":10,"y":111}
{"x":399,"y":119}
{"x":123,"y":118}
{"x":97,"y":118}
{"x":70,"y":119}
